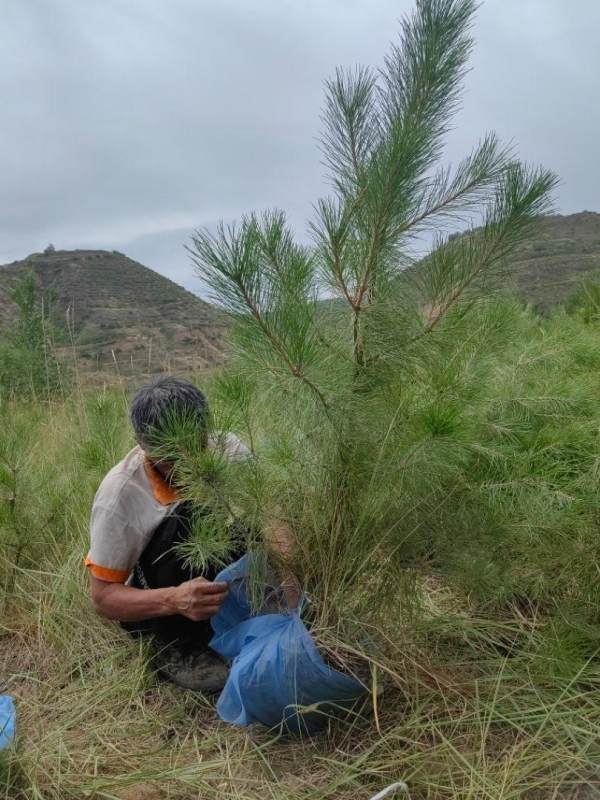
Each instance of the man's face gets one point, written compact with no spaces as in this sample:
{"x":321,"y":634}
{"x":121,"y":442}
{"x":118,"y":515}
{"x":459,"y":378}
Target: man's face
{"x":164,"y":467}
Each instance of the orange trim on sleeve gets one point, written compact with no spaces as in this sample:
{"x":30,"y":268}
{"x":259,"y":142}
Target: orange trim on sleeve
{"x":161,"y":490}
{"x":106,"y":574}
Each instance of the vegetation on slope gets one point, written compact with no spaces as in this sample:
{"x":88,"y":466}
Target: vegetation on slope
{"x":116,"y":312}
{"x":552,"y":262}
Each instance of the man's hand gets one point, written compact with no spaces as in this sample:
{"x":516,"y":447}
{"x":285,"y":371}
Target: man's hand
{"x":198,"y":599}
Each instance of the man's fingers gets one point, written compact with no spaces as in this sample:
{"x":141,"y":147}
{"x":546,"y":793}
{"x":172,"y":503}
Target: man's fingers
{"x":202,"y":598}
{"x":216,"y":587}
{"x":202,"y":586}
{"x":209,"y":599}
{"x":201,"y":605}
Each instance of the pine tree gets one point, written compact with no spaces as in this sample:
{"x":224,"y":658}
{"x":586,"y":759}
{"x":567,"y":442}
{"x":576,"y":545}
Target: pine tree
{"x":355,"y":449}
{"x":28,"y":364}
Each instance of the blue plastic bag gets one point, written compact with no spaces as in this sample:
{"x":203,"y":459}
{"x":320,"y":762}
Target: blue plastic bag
{"x":8,"y":716}
{"x":277,"y":676}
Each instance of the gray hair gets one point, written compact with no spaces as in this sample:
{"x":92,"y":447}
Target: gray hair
{"x":155,"y":404}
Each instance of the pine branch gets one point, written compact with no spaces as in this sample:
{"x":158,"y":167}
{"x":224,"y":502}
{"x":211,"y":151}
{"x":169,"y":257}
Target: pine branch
{"x":334,"y":236}
{"x":521,"y":197}
{"x":399,"y":141}
{"x":253,"y":269}
{"x":295,"y":369}
{"x":476,"y":176}
{"x":351,"y":129}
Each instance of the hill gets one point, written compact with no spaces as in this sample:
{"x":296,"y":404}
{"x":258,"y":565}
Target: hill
{"x":114,"y":310}
{"x":563,"y":249}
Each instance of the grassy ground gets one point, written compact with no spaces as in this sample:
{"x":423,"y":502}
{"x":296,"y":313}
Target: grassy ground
{"x":491,"y":689}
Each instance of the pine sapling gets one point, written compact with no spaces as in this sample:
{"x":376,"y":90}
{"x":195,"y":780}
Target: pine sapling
{"x":331,"y":382}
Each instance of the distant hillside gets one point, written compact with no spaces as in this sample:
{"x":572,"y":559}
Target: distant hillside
{"x":112,"y":309}
{"x":547,"y":268}
{"x":564,"y":248}
{"x":120,"y":311}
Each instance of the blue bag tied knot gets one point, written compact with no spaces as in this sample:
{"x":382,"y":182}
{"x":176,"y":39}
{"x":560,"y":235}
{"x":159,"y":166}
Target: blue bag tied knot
{"x":278,"y":677}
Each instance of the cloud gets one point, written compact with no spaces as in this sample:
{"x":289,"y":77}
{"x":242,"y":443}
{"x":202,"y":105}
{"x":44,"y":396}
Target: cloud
{"x":127,"y":124}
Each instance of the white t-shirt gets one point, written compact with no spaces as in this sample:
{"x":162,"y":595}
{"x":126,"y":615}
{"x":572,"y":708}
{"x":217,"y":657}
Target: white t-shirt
{"x":132,"y":501}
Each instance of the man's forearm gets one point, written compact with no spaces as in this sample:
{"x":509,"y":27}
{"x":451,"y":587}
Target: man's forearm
{"x":128,"y":604}
{"x":196,"y":599}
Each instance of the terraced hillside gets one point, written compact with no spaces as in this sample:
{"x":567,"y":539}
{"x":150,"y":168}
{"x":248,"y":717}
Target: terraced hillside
{"x":116,"y":312}
{"x":564,"y":248}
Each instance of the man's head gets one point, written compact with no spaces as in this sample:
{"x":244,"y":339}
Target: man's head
{"x":164,"y":403}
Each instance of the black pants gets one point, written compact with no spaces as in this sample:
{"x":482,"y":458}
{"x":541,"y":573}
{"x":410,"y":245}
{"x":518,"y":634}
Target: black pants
{"x":161,"y":566}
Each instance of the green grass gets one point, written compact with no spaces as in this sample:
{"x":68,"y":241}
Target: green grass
{"x":486,"y":644}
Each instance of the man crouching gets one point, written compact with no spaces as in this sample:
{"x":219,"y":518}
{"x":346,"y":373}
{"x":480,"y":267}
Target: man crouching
{"x":137,"y":520}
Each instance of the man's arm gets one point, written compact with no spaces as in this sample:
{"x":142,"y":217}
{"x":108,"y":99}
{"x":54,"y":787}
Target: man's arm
{"x":197,"y":599}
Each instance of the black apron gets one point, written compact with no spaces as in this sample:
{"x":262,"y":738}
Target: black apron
{"x":160,"y":566}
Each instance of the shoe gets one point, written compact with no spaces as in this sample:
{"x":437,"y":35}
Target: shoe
{"x":199,"y":670}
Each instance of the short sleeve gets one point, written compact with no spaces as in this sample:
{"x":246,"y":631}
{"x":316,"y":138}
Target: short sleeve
{"x":115,"y":544}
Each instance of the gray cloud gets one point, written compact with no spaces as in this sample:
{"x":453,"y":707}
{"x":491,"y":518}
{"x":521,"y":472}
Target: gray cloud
{"x":126,"y":124}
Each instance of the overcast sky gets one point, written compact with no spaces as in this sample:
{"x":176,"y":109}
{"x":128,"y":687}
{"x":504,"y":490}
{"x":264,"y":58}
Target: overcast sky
{"x":127,"y":123}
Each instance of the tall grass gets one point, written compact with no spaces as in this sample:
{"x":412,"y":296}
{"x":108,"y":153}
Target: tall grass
{"x":486,"y":642}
